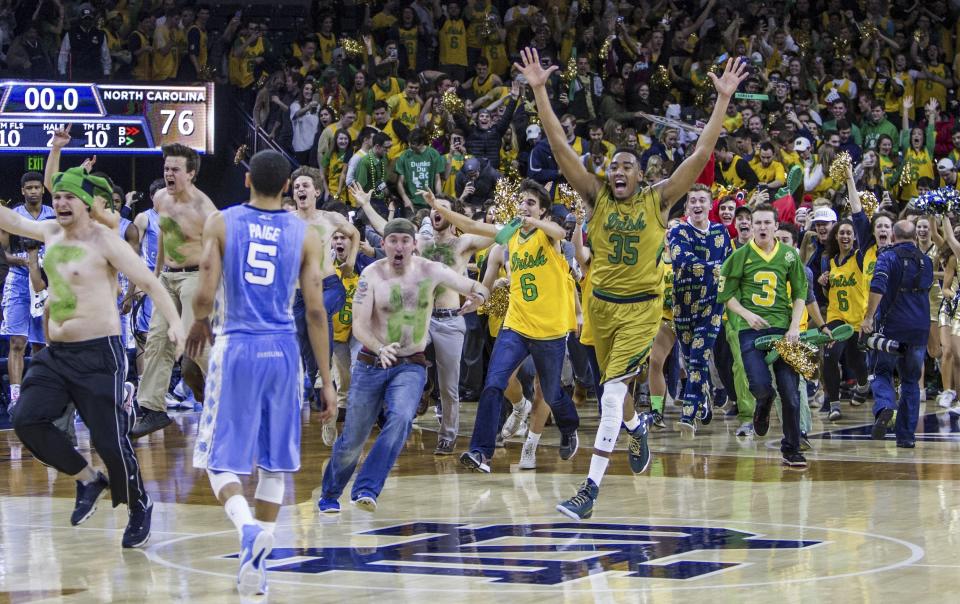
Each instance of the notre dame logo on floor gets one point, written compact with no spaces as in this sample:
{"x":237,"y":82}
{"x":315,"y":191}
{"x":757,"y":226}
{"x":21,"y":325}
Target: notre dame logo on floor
{"x":451,"y":549}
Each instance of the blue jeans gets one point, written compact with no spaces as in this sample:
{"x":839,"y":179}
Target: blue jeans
{"x":508,"y":353}
{"x":908,"y":367}
{"x":761,"y":384}
{"x":395,"y":390}
{"x":334,"y":297}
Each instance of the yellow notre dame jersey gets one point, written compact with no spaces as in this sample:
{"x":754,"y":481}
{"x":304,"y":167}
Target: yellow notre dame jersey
{"x":325,"y":47}
{"x":164,"y":66}
{"x":846,"y":298}
{"x":456,"y":162}
{"x":453,"y":43}
{"x":343,"y":320}
{"x":541,"y":288}
{"x":408,"y":37}
{"x":869,"y":264}
{"x":586,"y":292}
{"x":407,"y":112}
{"x":928,"y":89}
{"x":396,"y":145}
{"x":625,"y":236}
{"x":382,"y":94}
{"x":482,"y":88}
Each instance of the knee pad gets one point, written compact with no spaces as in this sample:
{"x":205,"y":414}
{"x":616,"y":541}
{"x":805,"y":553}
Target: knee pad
{"x":269,"y":486}
{"x":218,"y":480}
{"x":611,"y":415}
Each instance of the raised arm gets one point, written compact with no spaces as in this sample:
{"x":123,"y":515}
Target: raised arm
{"x":571,"y":167}
{"x":14,"y":223}
{"x":348,"y":230}
{"x":467,"y":225}
{"x":362,"y":198}
{"x":687,"y":172}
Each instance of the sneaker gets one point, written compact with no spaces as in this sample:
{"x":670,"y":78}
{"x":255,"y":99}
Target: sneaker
{"x":473,"y":460}
{"x":879,"y":431}
{"x":528,"y":456}
{"x":444,"y":447}
{"x":705,"y":413}
{"x":761,"y":419}
{"x":87,"y":495}
{"x":328,"y":505}
{"x":149,"y":422}
{"x":745,"y":429}
{"x":860,"y":395}
{"x":367,"y":503}
{"x":805,"y":444}
{"x":329,"y":433}
{"x":255,"y":546}
{"x":129,"y":390}
{"x":569,"y":443}
{"x":580,"y":506}
{"x":638,"y":450}
{"x":834,"y":413}
{"x":137,"y":532}
{"x":794,"y":460}
{"x":519,"y":415}
{"x":686,"y":428}
{"x":945,"y":399}
{"x":175,"y":403}
{"x":906,"y":444}
{"x":656,"y":421}
{"x":825,"y":407}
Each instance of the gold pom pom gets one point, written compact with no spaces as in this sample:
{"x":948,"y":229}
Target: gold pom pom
{"x":907,"y":174}
{"x":506,"y":200}
{"x":869,"y":202}
{"x":800,"y":356}
{"x":868,"y":29}
{"x":570,"y":73}
{"x":497,"y":304}
{"x":661,"y":77}
{"x":352,"y":49}
{"x":839,"y":167}
{"x":452,"y":104}
{"x":241,"y":154}
{"x":568,"y":196}
{"x":605,"y":49}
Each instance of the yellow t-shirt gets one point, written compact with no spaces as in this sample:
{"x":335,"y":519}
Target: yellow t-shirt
{"x":408,"y":113}
{"x":730,"y":176}
{"x":408,"y":37}
{"x":928,"y":89}
{"x":541,"y":288}
{"x":774,"y":171}
{"x":343,"y":320}
{"x":381,"y":94}
{"x":143,"y":65}
{"x":453,"y":44}
{"x":325,"y":47}
{"x":164,"y":66}
{"x":624,"y":236}
{"x":846,"y":297}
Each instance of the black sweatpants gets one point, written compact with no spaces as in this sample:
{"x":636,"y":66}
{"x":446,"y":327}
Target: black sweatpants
{"x":91,"y":374}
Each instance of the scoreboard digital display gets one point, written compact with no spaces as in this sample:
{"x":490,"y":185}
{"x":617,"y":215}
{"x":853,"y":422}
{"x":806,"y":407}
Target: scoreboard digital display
{"x":105,"y":118}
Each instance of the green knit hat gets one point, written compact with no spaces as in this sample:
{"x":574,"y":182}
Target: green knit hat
{"x":83,"y":185}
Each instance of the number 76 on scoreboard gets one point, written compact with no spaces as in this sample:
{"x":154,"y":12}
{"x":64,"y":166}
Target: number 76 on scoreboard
{"x":106,"y":118}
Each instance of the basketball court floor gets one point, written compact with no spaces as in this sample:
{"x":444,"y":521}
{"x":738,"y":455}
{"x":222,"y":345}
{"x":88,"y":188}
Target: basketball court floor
{"x":715,"y":519}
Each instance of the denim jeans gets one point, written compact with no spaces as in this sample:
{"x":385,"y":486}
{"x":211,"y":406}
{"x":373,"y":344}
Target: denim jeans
{"x":334,"y":297}
{"x":508,"y":353}
{"x":761,"y":384}
{"x":908,"y":367}
{"x":395,"y":390}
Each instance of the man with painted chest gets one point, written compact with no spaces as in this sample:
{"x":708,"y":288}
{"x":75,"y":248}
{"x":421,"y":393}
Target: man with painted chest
{"x":391,"y":317}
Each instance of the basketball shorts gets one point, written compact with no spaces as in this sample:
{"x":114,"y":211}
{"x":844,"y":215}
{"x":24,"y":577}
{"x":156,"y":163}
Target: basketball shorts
{"x":251,"y":413}
{"x":17,"y":320}
{"x":623,"y":333}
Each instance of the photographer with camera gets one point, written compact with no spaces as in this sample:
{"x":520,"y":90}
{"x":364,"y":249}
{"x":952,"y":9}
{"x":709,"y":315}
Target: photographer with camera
{"x":898,"y":310}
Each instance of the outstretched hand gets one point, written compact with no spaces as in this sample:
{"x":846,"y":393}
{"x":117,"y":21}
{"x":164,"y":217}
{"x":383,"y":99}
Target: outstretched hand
{"x":428,"y":197}
{"x":529,"y":67}
{"x":61,"y":138}
{"x":359,"y":195}
{"x":734,"y":73}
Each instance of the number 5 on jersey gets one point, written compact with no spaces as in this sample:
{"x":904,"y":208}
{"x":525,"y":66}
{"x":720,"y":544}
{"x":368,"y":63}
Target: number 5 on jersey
{"x":262,"y":271}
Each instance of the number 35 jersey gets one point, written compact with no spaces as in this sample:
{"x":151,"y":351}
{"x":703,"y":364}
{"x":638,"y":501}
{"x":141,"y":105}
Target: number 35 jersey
{"x":261,"y":264}
{"x":759,"y":281}
{"x":624,"y":237}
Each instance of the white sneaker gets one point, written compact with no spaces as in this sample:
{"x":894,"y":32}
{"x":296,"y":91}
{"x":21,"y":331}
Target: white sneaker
{"x":528,"y":456}
{"x":174,"y":403}
{"x":945,"y":399}
{"x":745,"y":429}
{"x":519,"y":416}
{"x":329,"y":433}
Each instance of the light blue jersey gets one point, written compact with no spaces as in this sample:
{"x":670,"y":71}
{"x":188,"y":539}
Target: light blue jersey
{"x":150,"y":238}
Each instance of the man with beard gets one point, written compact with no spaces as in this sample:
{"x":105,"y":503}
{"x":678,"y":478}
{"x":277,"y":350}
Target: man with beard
{"x":390,"y":319}
{"x":182,"y":209}
{"x":438,"y":241}
{"x":306,"y":191}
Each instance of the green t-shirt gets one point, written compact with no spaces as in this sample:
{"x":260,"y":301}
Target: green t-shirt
{"x":766,"y":284}
{"x":419,"y":171}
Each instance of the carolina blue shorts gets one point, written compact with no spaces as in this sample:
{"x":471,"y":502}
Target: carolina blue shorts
{"x":16,"y":311}
{"x":251,"y":411}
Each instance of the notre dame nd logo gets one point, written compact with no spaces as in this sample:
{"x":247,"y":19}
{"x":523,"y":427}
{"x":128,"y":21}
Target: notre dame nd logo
{"x":452,"y":549}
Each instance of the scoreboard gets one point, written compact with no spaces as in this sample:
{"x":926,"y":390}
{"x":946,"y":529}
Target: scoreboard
{"x":105,"y":118}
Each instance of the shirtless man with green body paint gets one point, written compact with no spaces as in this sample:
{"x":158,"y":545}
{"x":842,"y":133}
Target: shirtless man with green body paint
{"x":183,"y":209}
{"x":85,"y":361}
{"x":392,"y":308}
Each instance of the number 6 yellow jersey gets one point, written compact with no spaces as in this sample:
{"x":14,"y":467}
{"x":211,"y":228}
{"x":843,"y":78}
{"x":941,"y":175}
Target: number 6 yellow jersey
{"x":759,"y":281}
{"x":541,"y":288}
{"x":846,"y":298}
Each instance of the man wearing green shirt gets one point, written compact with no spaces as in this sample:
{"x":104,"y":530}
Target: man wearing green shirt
{"x":763,"y":285}
{"x":876,"y":125}
{"x":419,"y":168}
{"x":372,"y":173}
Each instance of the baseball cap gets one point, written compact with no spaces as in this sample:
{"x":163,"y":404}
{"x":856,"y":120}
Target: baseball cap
{"x":86,"y":10}
{"x":822,"y":214}
{"x":945,"y":164}
{"x":533,"y":132}
{"x":471,"y":165}
{"x":801,"y":144}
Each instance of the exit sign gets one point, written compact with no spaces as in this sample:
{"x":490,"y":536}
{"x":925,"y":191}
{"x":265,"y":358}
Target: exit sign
{"x":35,"y":163}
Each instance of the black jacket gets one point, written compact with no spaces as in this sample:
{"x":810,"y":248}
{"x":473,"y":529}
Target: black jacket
{"x":486,"y":143}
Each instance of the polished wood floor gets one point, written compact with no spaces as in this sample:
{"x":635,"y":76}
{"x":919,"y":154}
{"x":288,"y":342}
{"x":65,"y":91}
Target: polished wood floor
{"x":717,"y":517}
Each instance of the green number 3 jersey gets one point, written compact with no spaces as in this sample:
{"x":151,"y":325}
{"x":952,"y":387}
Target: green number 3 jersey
{"x":766,"y":284}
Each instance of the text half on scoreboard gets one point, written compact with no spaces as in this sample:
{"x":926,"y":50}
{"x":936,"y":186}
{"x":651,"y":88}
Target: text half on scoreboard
{"x":105,"y":118}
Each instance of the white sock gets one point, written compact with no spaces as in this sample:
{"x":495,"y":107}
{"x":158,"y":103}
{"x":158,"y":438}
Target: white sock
{"x":598,"y":466}
{"x":270,"y":527}
{"x":239,"y":512}
{"x":533,"y":439}
{"x":633,"y":422}
{"x":520,"y":404}
{"x":14,"y":393}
